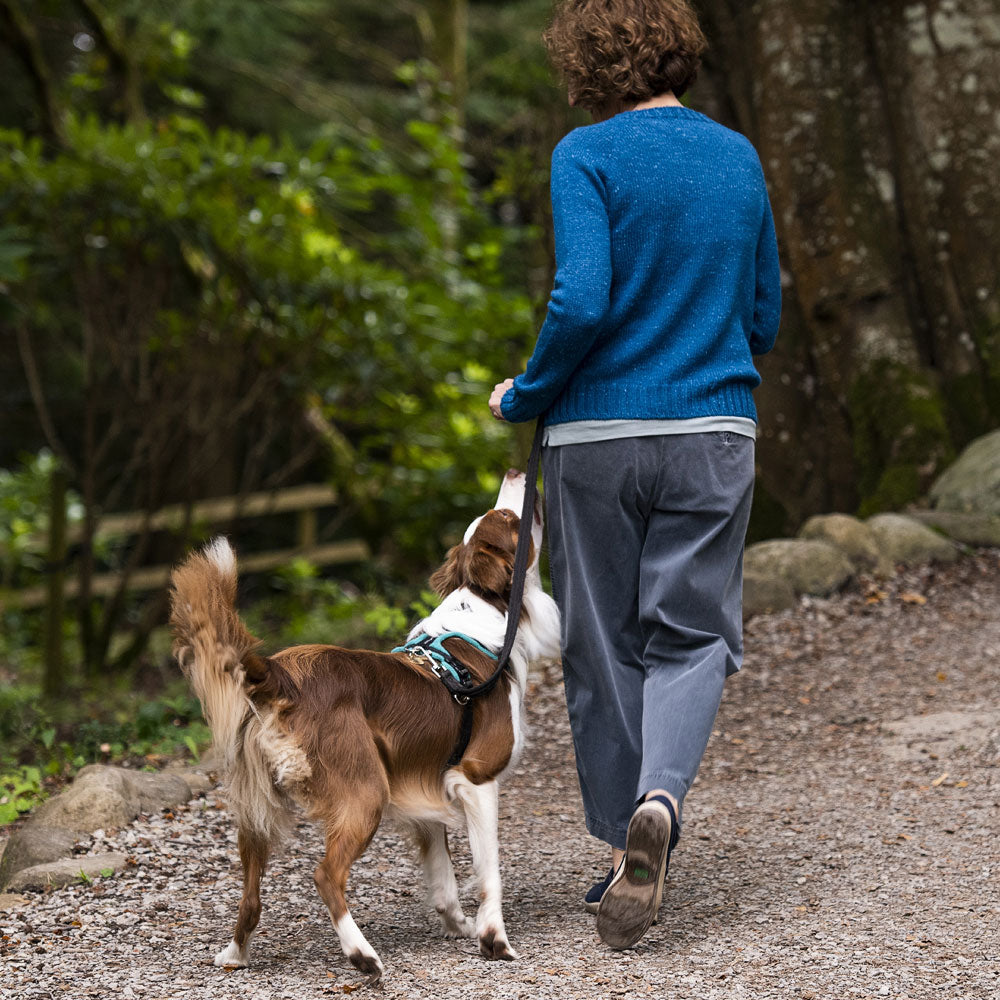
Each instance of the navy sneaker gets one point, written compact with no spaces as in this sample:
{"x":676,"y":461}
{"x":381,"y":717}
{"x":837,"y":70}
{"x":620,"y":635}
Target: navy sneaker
{"x":593,"y":898}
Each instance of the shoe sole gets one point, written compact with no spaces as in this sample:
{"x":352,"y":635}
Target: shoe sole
{"x":628,"y":906}
{"x":594,"y":907}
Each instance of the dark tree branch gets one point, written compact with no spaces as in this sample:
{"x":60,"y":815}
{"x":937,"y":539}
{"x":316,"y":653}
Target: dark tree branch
{"x":114,"y":40}
{"x":38,"y":398}
{"x":22,"y":38}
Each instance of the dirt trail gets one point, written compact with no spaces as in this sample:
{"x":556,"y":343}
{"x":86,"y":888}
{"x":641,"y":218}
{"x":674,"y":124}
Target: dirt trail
{"x":842,"y":840}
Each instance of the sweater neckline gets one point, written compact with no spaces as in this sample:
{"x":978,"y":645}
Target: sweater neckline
{"x":665,"y":110}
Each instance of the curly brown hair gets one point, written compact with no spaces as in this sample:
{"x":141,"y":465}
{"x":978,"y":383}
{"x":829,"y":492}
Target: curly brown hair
{"x":612,"y":53}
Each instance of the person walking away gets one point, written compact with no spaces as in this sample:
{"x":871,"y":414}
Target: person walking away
{"x":667,"y":283}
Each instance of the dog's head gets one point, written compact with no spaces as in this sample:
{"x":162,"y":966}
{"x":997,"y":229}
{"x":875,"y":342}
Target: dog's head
{"x":484,"y":561}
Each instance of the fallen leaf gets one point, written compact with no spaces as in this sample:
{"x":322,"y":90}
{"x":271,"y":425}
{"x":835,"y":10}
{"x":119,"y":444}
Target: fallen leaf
{"x":911,"y":597}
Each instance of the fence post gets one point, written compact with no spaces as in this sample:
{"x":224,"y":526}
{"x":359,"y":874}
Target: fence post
{"x":308,"y":533}
{"x":55,"y":603}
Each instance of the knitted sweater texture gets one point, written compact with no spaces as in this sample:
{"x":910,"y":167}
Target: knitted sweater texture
{"x":667,"y":278}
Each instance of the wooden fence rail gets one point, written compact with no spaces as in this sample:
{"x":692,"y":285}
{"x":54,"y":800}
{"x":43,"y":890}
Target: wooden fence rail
{"x":305,"y":500}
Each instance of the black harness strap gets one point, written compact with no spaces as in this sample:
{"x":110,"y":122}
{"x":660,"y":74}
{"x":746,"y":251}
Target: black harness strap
{"x":464,"y":735}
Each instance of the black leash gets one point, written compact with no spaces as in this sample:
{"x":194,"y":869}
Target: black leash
{"x":461,"y":692}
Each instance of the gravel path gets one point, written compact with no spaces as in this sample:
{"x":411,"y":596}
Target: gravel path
{"x":841,"y":841}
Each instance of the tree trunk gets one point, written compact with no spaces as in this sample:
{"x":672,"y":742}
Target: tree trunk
{"x":449,"y":46}
{"x":877,"y":126}
{"x":55,"y":605}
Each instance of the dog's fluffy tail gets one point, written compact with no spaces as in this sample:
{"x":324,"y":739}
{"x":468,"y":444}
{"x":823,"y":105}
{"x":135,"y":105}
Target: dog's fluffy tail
{"x":211,"y":643}
{"x":216,"y":652}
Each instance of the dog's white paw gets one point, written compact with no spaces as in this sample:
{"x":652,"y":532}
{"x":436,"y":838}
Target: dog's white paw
{"x":457,"y":925}
{"x":233,"y":956}
{"x":368,"y":963}
{"x":493,"y":944}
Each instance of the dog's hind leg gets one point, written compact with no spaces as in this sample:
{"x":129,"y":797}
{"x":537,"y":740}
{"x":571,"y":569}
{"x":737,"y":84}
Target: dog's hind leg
{"x":481,"y":812}
{"x":356,"y":795}
{"x":344,"y":845}
{"x":439,"y":877}
{"x":254,"y":851}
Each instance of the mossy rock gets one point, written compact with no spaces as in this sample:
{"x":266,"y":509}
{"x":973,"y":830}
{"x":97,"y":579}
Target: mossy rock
{"x":764,"y":593}
{"x":901,"y":434}
{"x":816,"y":568}
{"x":972,"y":483}
{"x":905,"y":540}
{"x":852,"y":536}
{"x":970,"y":529}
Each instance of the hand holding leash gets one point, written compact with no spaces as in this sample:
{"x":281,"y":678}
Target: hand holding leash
{"x":498,"y":393}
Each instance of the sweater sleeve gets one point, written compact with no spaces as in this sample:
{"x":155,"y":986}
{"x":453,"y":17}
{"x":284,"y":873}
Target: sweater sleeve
{"x":581,"y":293}
{"x":767,"y":301}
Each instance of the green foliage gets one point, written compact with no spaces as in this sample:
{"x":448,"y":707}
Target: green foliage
{"x":40,"y":743}
{"x":24,"y":514}
{"x":306,"y":607}
{"x":285,"y":255}
{"x":14,"y":251}
{"x":20,"y":789}
{"x":393,"y":621}
{"x":237,"y":261}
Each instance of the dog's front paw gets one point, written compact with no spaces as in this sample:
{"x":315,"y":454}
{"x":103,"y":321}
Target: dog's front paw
{"x":370,"y":965}
{"x":493,"y":944}
{"x":453,"y":923}
{"x":233,"y":957}
{"x":463,"y":928}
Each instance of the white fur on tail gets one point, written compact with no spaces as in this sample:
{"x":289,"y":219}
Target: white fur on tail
{"x":211,"y":644}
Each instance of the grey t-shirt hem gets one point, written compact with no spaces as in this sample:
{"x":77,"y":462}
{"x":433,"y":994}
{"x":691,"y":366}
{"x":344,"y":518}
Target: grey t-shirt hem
{"x":582,"y":431}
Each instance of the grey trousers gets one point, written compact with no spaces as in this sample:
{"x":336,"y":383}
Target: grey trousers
{"x":646,"y":551}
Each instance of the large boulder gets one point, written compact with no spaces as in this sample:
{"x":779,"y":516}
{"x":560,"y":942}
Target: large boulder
{"x":67,"y":871}
{"x":103,"y":796}
{"x":99,"y":798}
{"x":808,"y":567}
{"x":852,"y":536}
{"x":970,"y":529}
{"x":35,"y":844}
{"x":971,"y":484}
{"x":905,"y":540}
{"x":763,"y":593}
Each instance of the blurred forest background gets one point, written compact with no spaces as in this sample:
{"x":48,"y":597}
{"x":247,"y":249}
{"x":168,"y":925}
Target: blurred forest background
{"x":252,"y":246}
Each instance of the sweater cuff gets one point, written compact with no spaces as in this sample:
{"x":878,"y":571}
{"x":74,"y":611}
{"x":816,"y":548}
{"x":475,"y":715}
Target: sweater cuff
{"x":513,"y":408}
{"x":506,"y":403}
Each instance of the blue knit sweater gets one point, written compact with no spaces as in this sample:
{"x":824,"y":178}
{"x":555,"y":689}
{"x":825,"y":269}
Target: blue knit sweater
{"x":667,"y":276}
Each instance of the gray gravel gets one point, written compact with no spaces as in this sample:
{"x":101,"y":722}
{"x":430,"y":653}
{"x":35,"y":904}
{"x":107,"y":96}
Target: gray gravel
{"x":826,"y":854}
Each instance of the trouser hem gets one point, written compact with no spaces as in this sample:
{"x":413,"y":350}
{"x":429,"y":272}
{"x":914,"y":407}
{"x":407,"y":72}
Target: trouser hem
{"x":669,"y":782}
{"x":609,"y":833}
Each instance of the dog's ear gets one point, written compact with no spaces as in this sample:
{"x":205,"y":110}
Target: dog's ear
{"x":448,"y":576}
{"x":490,"y":571}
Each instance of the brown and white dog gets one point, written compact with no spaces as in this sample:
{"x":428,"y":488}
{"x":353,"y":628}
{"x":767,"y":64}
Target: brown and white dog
{"x":351,"y":735}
